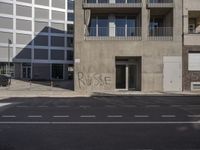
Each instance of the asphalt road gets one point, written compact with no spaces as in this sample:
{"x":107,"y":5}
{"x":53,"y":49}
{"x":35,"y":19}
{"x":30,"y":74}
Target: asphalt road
{"x":100,"y":123}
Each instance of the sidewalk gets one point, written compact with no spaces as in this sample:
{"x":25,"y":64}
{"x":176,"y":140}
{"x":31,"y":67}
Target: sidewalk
{"x":65,"y":89}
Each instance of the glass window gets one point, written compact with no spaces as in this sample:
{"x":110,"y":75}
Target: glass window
{"x":120,"y":1}
{"x":70,"y":42}
{"x":120,"y":23}
{"x":70,"y":28}
{"x":70,"y":5}
{"x":103,"y":26}
{"x":131,"y":26}
{"x":70,"y":16}
{"x":92,"y":26}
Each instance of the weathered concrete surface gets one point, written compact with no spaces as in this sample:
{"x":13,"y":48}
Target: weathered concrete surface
{"x":95,"y":59}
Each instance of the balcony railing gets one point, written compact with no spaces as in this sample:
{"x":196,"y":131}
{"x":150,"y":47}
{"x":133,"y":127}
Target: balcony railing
{"x":194,"y":31}
{"x":161,"y":33}
{"x":133,"y":33}
{"x":160,"y":3}
{"x":107,"y":4}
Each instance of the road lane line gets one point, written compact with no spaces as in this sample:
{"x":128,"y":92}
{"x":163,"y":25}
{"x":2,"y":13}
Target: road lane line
{"x":110,"y":106}
{"x":63,"y":106}
{"x":42,"y":106}
{"x":141,"y":116}
{"x":149,"y":106}
{"x":66,"y":116}
{"x":22,"y":106}
{"x":131,"y":106}
{"x":103,"y":123}
{"x":84,"y":106}
{"x":8,"y":116}
{"x":88,"y":116}
{"x":194,"y":116}
{"x":34,"y":116}
{"x":115,"y":116}
{"x":4,"y":104}
{"x":175,"y":105}
{"x":168,"y":116}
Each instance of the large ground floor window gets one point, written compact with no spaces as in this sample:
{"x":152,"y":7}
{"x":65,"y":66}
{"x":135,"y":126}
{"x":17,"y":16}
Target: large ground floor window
{"x":57,"y":71}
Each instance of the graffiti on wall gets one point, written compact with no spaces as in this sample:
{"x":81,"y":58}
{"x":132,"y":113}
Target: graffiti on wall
{"x":93,"y":80}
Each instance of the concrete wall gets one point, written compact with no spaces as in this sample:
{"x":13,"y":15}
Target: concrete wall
{"x":95,"y":59}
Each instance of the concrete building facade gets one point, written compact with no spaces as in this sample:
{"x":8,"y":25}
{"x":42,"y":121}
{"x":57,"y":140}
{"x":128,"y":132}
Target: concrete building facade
{"x":36,"y":38}
{"x":128,"y":45}
{"x":191,"y":45}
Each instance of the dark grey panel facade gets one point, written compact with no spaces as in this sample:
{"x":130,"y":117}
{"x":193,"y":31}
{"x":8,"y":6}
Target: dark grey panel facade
{"x":41,"y":40}
{"x":41,"y":71}
{"x":41,"y":54}
{"x":57,"y":41}
{"x":23,"y":53}
{"x":57,"y":54}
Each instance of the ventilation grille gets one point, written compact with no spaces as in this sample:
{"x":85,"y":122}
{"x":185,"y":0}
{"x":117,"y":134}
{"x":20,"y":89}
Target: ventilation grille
{"x":195,"y":86}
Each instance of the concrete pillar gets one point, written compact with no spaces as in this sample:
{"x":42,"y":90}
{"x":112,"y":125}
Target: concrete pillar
{"x":145,"y":21}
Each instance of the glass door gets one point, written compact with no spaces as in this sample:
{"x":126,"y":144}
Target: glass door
{"x":121,"y":77}
{"x":133,"y":78}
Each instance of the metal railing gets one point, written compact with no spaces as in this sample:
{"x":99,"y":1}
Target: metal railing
{"x":194,"y":31}
{"x":160,"y":1}
{"x":107,"y":1}
{"x":114,"y":31}
{"x":161,"y":33}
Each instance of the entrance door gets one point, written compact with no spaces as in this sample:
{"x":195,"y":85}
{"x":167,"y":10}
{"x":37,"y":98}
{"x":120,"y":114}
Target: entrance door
{"x":172,"y":74}
{"x":26,"y":72}
{"x":132,"y":77}
{"x":57,"y":71}
{"x":121,"y":76}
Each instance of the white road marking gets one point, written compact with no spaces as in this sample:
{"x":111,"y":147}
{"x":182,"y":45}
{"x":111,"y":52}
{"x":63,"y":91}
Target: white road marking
{"x":193,"y":105}
{"x":141,"y":116}
{"x":175,"y":106}
{"x":149,"y":106}
{"x":110,"y":106}
{"x":111,"y":123}
{"x":115,"y":116}
{"x":42,"y":106}
{"x":168,"y":116}
{"x":194,"y":116}
{"x":21,"y":106}
{"x":84,"y":106}
{"x":8,"y":116}
{"x":131,"y":106}
{"x":35,"y":116}
{"x":63,"y":106}
{"x":66,"y":116}
{"x":4,"y":104}
{"x":87,"y":116}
